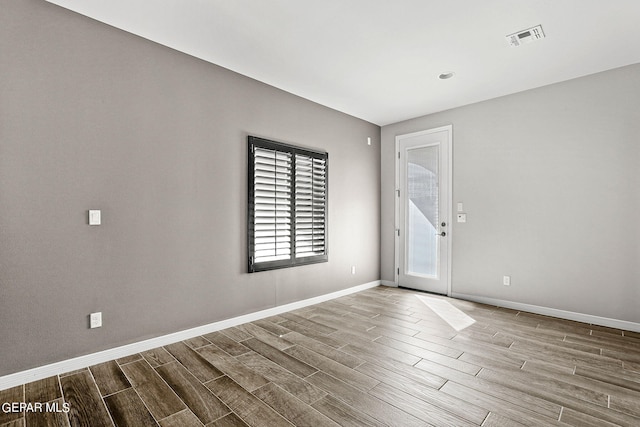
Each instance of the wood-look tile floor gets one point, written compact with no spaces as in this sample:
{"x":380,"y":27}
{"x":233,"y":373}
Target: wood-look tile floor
{"x":379,"y":357}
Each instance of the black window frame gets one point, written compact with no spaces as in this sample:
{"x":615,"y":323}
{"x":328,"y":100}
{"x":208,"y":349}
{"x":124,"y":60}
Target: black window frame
{"x":295,"y":199}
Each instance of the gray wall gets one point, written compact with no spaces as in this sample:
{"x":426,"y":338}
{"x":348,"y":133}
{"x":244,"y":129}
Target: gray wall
{"x":550,"y":181}
{"x":94,"y":118}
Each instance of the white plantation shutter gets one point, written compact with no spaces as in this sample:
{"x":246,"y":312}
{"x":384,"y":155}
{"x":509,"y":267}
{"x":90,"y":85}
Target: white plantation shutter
{"x":272,"y":204}
{"x":287,"y":221}
{"x":311,"y":197}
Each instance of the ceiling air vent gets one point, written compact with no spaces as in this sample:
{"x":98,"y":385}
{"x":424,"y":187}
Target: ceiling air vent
{"x":525,"y":36}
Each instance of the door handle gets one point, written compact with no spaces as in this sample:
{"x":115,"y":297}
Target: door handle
{"x":441,"y":234}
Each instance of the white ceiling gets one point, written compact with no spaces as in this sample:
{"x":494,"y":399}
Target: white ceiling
{"x":379,"y":60}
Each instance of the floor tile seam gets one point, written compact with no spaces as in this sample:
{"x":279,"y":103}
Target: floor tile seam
{"x":433,"y":404}
{"x":253,"y":395}
{"x":564,"y":399}
{"x":186,"y":406}
{"x":187,"y":409}
{"x":225,"y":415}
{"x":165,"y":382}
{"x":497,"y":395}
{"x":337,"y":397}
{"x":137,"y":394}
{"x":104,"y":404}
{"x":324,"y":356}
{"x":310,"y":405}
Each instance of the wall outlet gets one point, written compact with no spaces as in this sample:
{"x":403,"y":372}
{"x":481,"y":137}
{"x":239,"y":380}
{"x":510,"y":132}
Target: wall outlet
{"x":353,"y":269}
{"x":95,"y":217}
{"x":95,"y":320}
{"x":506,"y":280}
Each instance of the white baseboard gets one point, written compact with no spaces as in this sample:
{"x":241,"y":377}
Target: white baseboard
{"x":80,"y":362}
{"x":553,"y":312}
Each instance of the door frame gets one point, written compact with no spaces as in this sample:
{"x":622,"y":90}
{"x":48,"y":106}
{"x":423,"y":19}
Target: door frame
{"x":448,"y":199}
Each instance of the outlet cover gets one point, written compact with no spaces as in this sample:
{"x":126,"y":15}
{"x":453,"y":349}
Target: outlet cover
{"x":506,"y":280}
{"x":95,"y":217}
{"x":95,"y":320}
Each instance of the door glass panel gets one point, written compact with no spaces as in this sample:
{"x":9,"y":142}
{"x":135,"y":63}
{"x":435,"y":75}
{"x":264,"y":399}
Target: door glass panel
{"x":422,"y":210}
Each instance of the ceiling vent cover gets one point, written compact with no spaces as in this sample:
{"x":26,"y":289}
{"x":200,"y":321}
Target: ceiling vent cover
{"x":525,"y":36}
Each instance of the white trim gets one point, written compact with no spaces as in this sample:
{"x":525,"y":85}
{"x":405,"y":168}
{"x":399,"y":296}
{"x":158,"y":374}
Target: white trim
{"x":396,"y":218}
{"x":449,"y":130}
{"x":80,"y":362}
{"x":450,"y":201}
{"x":554,"y":312}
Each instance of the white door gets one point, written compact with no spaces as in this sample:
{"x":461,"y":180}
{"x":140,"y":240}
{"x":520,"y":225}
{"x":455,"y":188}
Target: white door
{"x":423,"y":210}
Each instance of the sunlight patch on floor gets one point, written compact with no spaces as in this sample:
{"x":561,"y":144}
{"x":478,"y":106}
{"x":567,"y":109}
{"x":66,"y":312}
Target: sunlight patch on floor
{"x":455,"y":317}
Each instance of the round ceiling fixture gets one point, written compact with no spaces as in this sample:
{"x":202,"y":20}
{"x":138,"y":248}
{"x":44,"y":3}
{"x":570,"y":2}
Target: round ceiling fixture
{"x":446,"y":75}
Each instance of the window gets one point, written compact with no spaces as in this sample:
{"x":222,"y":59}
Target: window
{"x":287,"y":220}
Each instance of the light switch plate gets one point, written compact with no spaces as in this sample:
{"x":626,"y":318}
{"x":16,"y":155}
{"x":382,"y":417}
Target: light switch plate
{"x":462,"y":217}
{"x":95,"y":217}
